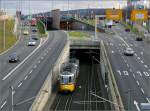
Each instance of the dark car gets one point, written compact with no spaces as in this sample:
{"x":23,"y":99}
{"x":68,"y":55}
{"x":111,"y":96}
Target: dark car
{"x":34,"y":37}
{"x":139,"y":39}
{"x":127,"y":30}
{"x":34,"y":29}
{"x":13,"y":58}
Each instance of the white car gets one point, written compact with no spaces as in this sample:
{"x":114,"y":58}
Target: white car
{"x":31,"y":43}
{"x":26,"y":32}
{"x":129,"y":51}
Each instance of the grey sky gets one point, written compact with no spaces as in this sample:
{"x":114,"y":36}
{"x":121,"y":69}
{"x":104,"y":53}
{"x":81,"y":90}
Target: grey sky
{"x":35,"y":6}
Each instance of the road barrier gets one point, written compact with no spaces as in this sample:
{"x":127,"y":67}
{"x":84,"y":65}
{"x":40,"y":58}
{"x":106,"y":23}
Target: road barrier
{"x":110,"y":81}
{"x":46,"y":90}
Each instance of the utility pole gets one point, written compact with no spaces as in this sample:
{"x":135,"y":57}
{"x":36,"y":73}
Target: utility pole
{"x":4,"y":29}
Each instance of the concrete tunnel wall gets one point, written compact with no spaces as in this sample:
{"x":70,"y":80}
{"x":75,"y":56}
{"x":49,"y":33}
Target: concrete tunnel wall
{"x":46,"y":90}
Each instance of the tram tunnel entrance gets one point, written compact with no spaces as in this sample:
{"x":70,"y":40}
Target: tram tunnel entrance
{"x":88,"y":84}
{"x":86,"y":55}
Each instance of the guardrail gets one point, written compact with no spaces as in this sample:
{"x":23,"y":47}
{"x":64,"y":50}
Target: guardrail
{"x":112,"y":85}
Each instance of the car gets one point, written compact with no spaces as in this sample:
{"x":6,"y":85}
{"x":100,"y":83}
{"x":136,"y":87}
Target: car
{"x":34,"y":29}
{"x":127,"y":30}
{"x":139,"y":39}
{"x":14,"y":58}
{"x":129,"y":51}
{"x":34,"y":37}
{"x":31,"y":42}
{"x":26,"y":32}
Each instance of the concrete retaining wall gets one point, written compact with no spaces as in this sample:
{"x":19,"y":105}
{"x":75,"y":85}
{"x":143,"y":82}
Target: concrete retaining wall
{"x":46,"y":90}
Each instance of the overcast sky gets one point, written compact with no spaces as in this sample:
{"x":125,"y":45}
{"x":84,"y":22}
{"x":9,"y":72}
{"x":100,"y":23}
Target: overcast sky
{"x":35,"y":6}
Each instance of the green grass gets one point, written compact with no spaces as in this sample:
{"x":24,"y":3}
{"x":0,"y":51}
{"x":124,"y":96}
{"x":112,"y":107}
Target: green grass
{"x":10,"y":37}
{"x":78,"y":35}
{"x":91,"y":22}
{"x":41,"y":28}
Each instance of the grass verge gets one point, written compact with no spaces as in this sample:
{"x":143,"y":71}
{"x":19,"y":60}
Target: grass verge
{"x":41,"y":28}
{"x":10,"y":38}
{"x":77,"y":35}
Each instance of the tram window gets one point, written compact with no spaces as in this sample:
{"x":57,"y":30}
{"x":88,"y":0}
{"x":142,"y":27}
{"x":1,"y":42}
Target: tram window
{"x":62,"y":79}
{"x":69,"y":79}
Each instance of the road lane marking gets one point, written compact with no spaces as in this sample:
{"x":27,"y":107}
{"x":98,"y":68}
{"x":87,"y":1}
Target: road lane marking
{"x":3,"y":104}
{"x":133,"y":75}
{"x":39,"y":61}
{"x":142,"y":91}
{"x":139,"y":73}
{"x":138,"y":83}
{"x":148,"y":100}
{"x":130,"y":70}
{"x":142,"y":62}
{"x":30,"y":71}
{"x":146,"y":74}
{"x":126,"y":73}
{"x":145,"y":66}
{"x":20,"y":84}
{"x":35,"y":67}
{"x":135,"y":54}
{"x":119,"y":72}
{"x":25,"y":77}
{"x":136,"y":104}
{"x":127,"y":65}
{"x":138,"y":58}
{"x":21,"y":62}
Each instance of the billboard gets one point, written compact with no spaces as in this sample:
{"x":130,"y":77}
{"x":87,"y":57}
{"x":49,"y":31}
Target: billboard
{"x":139,"y":15}
{"x":114,"y":14}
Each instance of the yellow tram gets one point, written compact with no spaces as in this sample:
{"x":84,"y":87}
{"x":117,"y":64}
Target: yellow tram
{"x":67,"y":79}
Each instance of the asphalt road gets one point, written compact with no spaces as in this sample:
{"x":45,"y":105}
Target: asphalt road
{"x":82,"y":99}
{"x":28,"y":78}
{"x":132,"y":73}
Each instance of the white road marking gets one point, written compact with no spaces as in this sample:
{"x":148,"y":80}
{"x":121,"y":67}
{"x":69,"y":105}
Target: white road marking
{"x":135,"y":54}
{"x":145,"y":66}
{"x":119,"y":72}
{"x":126,"y":73}
{"x":142,"y":91}
{"x":35,"y":67}
{"x":3,"y":104}
{"x":136,"y":104}
{"x":148,"y":100}
{"x":142,"y":61}
{"x":146,"y":74}
{"x":39,"y":61}
{"x":30,"y":71}
{"x":130,"y":70}
{"x":25,"y":77}
{"x":139,"y":73}
{"x":127,"y":65}
{"x":20,"y":84}
{"x":21,"y":62}
{"x":133,"y":75}
{"x":138,"y":58}
{"x":142,"y":53}
{"x":138,"y":83}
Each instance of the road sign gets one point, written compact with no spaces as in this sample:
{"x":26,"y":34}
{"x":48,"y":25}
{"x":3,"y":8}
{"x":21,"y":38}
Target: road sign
{"x":114,"y":14}
{"x":139,"y":15}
